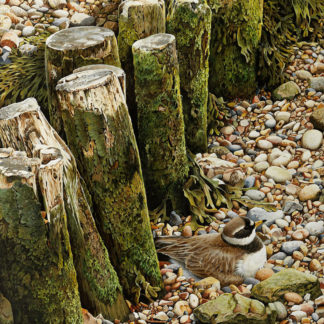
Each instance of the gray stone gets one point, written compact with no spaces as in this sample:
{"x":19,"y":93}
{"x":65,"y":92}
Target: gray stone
{"x":317,"y":119}
{"x":235,"y":309}
{"x":303,"y":75}
{"x":255,"y":194}
{"x":278,"y":256}
{"x":315,"y":228}
{"x":278,"y":174}
{"x":287,"y":90}
{"x":317,"y":83}
{"x":27,"y":49}
{"x":274,"y":288}
{"x":28,"y":31}
{"x":82,"y":19}
{"x":175,"y":219}
{"x":291,"y":206}
{"x":291,"y":246}
{"x":270,"y":123}
{"x":258,"y":213}
{"x":249,"y":182}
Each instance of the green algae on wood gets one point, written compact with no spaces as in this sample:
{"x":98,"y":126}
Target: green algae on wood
{"x":190,"y":22}
{"x":71,"y":48}
{"x":235,"y":36}
{"x":137,"y":19}
{"x":100,"y":134}
{"x":161,"y":135}
{"x":37,"y":274}
{"x":23,"y":126}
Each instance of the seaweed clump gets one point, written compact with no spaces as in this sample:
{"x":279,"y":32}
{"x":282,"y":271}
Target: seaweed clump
{"x":25,"y":76}
{"x":284,"y":24}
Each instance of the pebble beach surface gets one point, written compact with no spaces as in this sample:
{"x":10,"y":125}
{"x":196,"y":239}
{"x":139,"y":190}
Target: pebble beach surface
{"x":277,"y":141}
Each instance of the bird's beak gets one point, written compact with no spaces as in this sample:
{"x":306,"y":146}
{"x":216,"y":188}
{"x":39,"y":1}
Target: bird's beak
{"x":258,"y":223}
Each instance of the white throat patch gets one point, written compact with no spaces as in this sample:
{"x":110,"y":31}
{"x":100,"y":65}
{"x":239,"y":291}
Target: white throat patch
{"x":239,"y":241}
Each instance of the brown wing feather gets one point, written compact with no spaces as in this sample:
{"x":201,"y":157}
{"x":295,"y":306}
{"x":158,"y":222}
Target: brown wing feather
{"x":206,"y":255}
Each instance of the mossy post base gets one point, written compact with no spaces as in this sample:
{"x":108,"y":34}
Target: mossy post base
{"x":161,"y":135}
{"x":190,"y":24}
{"x":36,"y":270}
{"x":23,"y":126}
{"x":137,"y":20}
{"x":71,"y":48}
{"x":100,"y":134}
{"x":235,"y":36}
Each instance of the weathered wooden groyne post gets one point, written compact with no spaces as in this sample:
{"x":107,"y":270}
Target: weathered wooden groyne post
{"x":190,"y":22}
{"x":71,"y":48}
{"x":36,"y":270}
{"x":24,"y":127}
{"x":137,"y":19}
{"x":235,"y":35}
{"x":100,"y":134}
{"x":160,"y":119}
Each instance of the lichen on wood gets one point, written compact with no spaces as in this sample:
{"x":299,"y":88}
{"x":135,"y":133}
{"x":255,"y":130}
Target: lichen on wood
{"x":37,"y":274}
{"x":71,"y":48}
{"x":160,"y":119}
{"x":118,"y":71}
{"x":190,"y":22}
{"x":137,"y":19}
{"x":23,"y":126}
{"x":99,"y":133}
{"x":235,"y":36}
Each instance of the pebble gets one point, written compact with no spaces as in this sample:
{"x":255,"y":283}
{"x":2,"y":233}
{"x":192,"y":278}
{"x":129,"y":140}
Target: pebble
{"x":193,"y":301}
{"x":293,"y":298}
{"x":315,"y":228}
{"x":278,"y":174}
{"x":263,"y":274}
{"x":261,"y":166}
{"x":312,"y":139}
{"x":270,"y":123}
{"x":264,"y":145}
{"x":309,"y":192}
{"x":187,"y":231}
{"x":180,"y":307}
{"x":255,"y":194}
{"x":291,"y":246}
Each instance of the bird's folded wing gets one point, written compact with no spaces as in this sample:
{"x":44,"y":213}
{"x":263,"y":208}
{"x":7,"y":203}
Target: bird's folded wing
{"x":214,"y":262}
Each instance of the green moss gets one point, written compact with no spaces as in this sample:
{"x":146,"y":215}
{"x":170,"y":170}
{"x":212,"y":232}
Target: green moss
{"x":113,"y":175}
{"x":191,"y":24}
{"x":235,"y":36}
{"x":161,"y":126}
{"x":36,"y":273}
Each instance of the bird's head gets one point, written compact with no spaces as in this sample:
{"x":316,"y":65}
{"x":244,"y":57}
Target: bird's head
{"x":240,"y":231}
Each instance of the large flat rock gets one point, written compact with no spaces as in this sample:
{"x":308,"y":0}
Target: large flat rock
{"x":235,"y":309}
{"x":289,"y":280}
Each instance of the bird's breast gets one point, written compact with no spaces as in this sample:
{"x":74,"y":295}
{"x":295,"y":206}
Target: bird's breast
{"x":251,"y":263}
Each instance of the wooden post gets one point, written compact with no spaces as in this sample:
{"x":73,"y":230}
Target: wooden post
{"x":100,"y":134}
{"x":235,"y":36}
{"x":23,"y":126}
{"x":118,"y":71}
{"x":160,"y":119}
{"x":190,"y":22}
{"x":36,"y":270}
{"x":71,"y":48}
{"x":137,"y":19}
